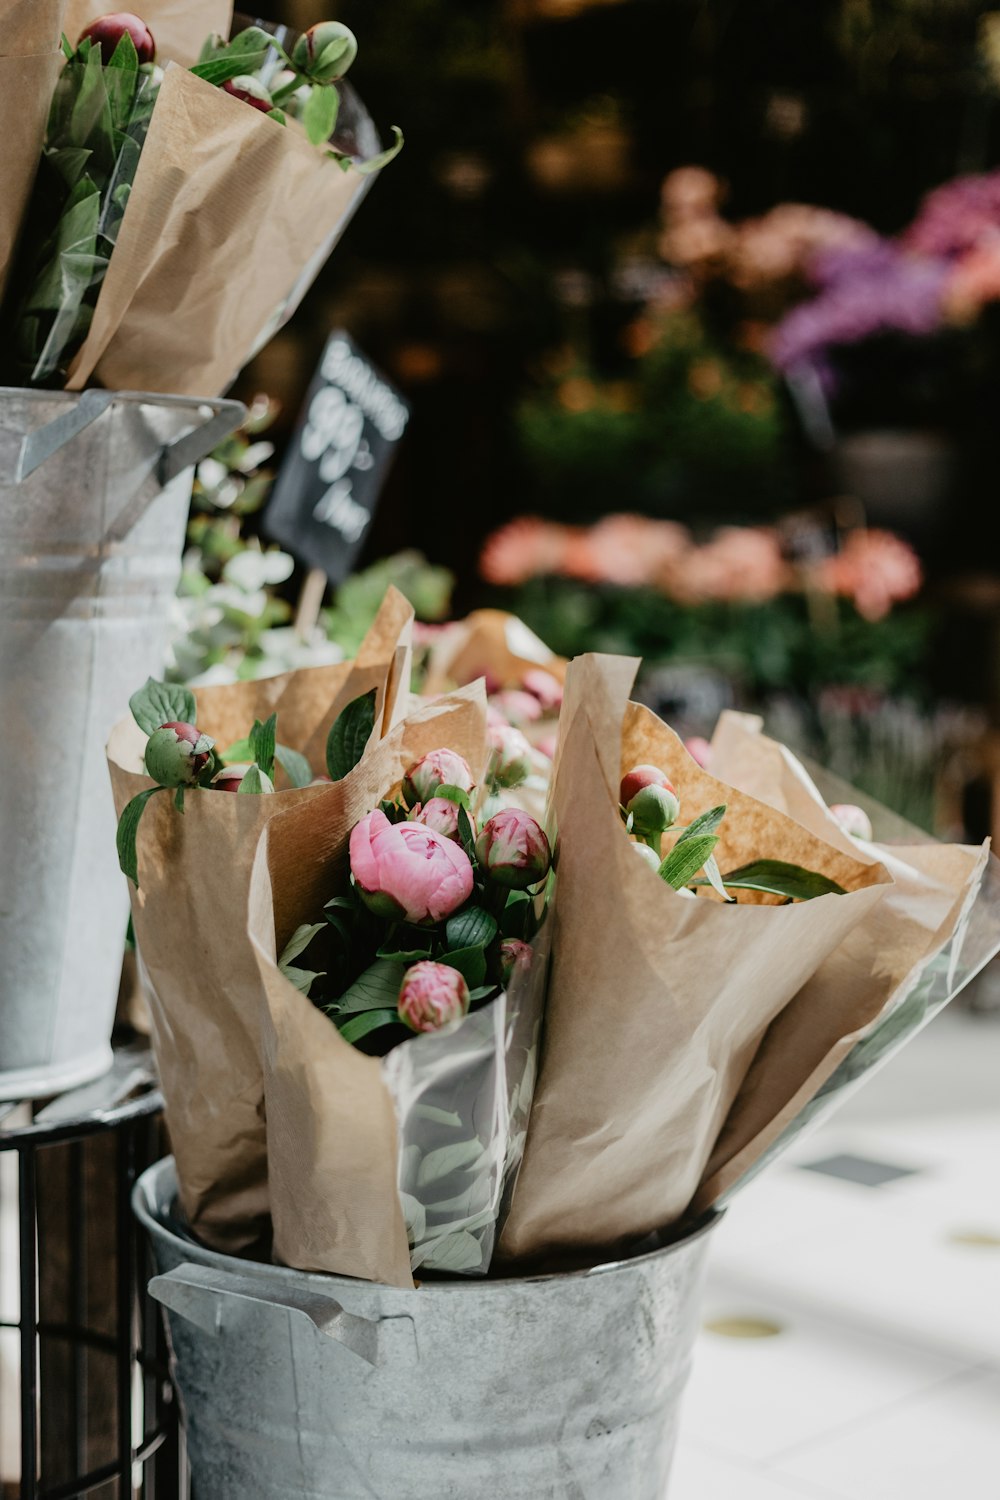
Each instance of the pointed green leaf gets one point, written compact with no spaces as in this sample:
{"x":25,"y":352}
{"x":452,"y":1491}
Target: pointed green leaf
{"x":781,"y":879}
{"x":708,"y":822}
{"x":295,"y":766}
{"x":715,"y":879}
{"x":179,"y":799}
{"x":299,"y":941}
{"x":162,"y":703}
{"x":454,"y":794}
{"x":473,"y":928}
{"x":302,"y":979}
{"x":359,"y":1026}
{"x":465,"y":832}
{"x":470,"y":963}
{"x":128,"y":827}
{"x":379,"y":985}
{"x":376,"y":163}
{"x":262,"y":744}
{"x":320,"y":114}
{"x":349,"y":734}
{"x":686,"y":859}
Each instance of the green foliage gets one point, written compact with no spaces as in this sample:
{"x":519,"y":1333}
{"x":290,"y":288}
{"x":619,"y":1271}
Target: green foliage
{"x":349,"y":734}
{"x":356,"y":601}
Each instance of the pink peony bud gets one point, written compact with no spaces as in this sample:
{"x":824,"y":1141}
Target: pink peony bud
{"x":853,"y":820}
{"x":230,"y":779}
{"x":107,"y":32}
{"x":513,"y":849}
{"x":633,"y":781}
{"x":442,"y":816}
{"x":325,"y":51}
{"x":510,"y":758}
{"x":431,"y":996}
{"x":436,"y":769}
{"x":517,"y":708}
{"x":543,"y":686}
{"x":515,"y":957}
{"x":653,"y":809}
{"x":409,"y":872}
{"x":699,"y":750}
{"x":176,"y":754}
{"x":250,"y":90}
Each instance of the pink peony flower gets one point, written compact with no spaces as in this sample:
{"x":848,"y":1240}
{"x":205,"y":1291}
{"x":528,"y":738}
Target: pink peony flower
{"x":631,"y":550}
{"x":543,"y":686}
{"x":436,"y":769}
{"x":431,"y":996}
{"x":517,"y":708}
{"x":876,"y":569}
{"x":513,"y":850}
{"x":740,"y":563}
{"x":409,"y":872}
{"x":442,"y":816}
{"x":525,"y":548}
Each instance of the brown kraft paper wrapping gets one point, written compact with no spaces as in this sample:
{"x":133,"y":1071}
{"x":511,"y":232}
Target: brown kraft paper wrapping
{"x":189,"y":915}
{"x":179,"y":27}
{"x":331,"y":1127}
{"x":873,"y":969}
{"x":30,"y":61}
{"x":657,"y":1002}
{"x":227,"y":209}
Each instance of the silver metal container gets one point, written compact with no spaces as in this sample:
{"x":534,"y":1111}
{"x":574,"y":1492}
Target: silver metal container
{"x":94,"y":495}
{"x":297,"y":1385}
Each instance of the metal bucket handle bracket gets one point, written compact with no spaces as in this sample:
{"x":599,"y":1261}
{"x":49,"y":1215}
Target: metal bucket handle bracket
{"x":176,"y":456}
{"x":219,"y":1301}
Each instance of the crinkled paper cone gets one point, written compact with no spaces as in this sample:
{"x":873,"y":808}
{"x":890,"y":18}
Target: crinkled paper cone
{"x":488,"y":643}
{"x":189,"y":915}
{"x":179,"y":27}
{"x":657,"y":1003}
{"x":871,"y":972}
{"x":30,"y":60}
{"x":331,"y":1126}
{"x":227,"y":209}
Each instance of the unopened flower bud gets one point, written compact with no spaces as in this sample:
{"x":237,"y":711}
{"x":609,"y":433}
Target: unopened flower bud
{"x":515,"y":957}
{"x":650,"y":798}
{"x":648,"y":855}
{"x":250,"y":90}
{"x":513,"y":850}
{"x":442,"y":816}
{"x":325,"y":51}
{"x":510,"y":758}
{"x":436,"y":769}
{"x":107,"y":31}
{"x":230,"y":778}
{"x":543,"y":686}
{"x":853,"y":820}
{"x":516,"y":708}
{"x":431,"y":996}
{"x":176,"y":754}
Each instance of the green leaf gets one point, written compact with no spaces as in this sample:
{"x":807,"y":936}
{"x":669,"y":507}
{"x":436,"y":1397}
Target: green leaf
{"x":128,"y":827}
{"x":237,"y":753}
{"x":686,"y":859}
{"x":447,"y":1159}
{"x":708,"y":822}
{"x":473,"y":928}
{"x":262,"y":744}
{"x":249,"y":42}
{"x":251,"y":785}
{"x":404,"y":955}
{"x":221,"y":69}
{"x":437,"y":1116}
{"x":513,"y":918}
{"x":359,"y":1026}
{"x":162,"y":703}
{"x":302,"y":979}
{"x":376,"y":163}
{"x":715,"y":879}
{"x":470,"y":963}
{"x":349,"y":734}
{"x":295,"y":766}
{"x":299,"y":941}
{"x":320,"y":114}
{"x":465,"y":832}
{"x":454,"y":794}
{"x":379,"y":985}
{"x":481,"y":991}
{"x":460,"y":1251}
{"x":781,"y":879}
{"x":179,"y":799}
{"x":278,"y":115}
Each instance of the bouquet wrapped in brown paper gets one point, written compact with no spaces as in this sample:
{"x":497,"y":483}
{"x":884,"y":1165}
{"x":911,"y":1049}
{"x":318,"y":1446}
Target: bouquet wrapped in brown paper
{"x":30,"y":59}
{"x":179,"y":218}
{"x":189,"y":909}
{"x":397,"y":1162}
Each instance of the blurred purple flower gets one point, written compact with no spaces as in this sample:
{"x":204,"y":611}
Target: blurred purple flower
{"x":958,"y":216}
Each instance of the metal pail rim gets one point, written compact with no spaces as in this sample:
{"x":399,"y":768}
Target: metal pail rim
{"x":162,"y":1222}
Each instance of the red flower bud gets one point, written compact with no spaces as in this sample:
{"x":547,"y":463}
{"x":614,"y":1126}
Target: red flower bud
{"x":176,"y":754}
{"x":513,"y":849}
{"x":436,"y":769}
{"x":633,"y":781}
{"x":431,"y":996}
{"x":107,"y":32}
{"x":250,"y":90}
{"x":230,"y":779}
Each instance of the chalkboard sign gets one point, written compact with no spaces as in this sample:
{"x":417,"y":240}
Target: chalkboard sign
{"x":326,"y":492}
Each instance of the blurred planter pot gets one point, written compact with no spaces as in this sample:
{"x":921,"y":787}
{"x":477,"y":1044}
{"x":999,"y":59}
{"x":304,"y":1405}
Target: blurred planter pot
{"x":298,"y":1385}
{"x":903,"y":477}
{"x":94,"y":495}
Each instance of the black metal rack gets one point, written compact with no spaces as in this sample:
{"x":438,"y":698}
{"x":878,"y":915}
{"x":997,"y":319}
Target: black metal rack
{"x":96,"y":1411}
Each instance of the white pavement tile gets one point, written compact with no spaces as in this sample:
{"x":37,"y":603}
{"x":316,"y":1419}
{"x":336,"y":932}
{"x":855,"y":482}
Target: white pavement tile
{"x":700,"y":1475}
{"x":944,"y":1445}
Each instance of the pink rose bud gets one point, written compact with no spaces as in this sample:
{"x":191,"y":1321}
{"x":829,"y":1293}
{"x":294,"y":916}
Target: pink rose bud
{"x":409,"y":872}
{"x":250,"y":90}
{"x":853,"y":820}
{"x":230,"y":779}
{"x":699,"y":750}
{"x":325,"y":51}
{"x":442,"y":816}
{"x":543,"y":686}
{"x":516,"y":707}
{"x":107,"y":32}
{"x":431,"y":996}
{"x":513,"y":849}
{"x":176,"y":754}
{"x":515,"y":957}
{"x":436,"y":769}
{"x":510,"y":758}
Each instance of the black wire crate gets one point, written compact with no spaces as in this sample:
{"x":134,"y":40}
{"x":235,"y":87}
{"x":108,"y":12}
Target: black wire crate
{"x":86,"y":1404}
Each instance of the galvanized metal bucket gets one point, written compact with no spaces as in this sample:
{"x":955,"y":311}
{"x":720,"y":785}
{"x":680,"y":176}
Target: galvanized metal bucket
{"x":550,"y":1388}
{"x":94,"y":494}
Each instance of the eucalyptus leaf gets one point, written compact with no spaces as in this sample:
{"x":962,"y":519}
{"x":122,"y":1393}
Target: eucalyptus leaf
{"x":360,"y":1026}
{"x":128,"y":827}
{"x":686,"y":859}
{"x":442,"y":1162}
{"x":159,"y":703}
{"x":473,"y":928}
{"x":349,"y":734}
{"x":295,"y":766}
{"x":414,"y":1216}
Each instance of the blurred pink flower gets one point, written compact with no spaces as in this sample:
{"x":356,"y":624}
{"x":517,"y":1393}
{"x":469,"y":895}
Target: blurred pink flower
{"x":525,"y":548}
{"x":626,"y":550}
{"x":516,"y":707}
{"x":740,"y":563}
{"x":699,"y":750}
{"x":876,"y":569}
{"x":544,"y":686}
